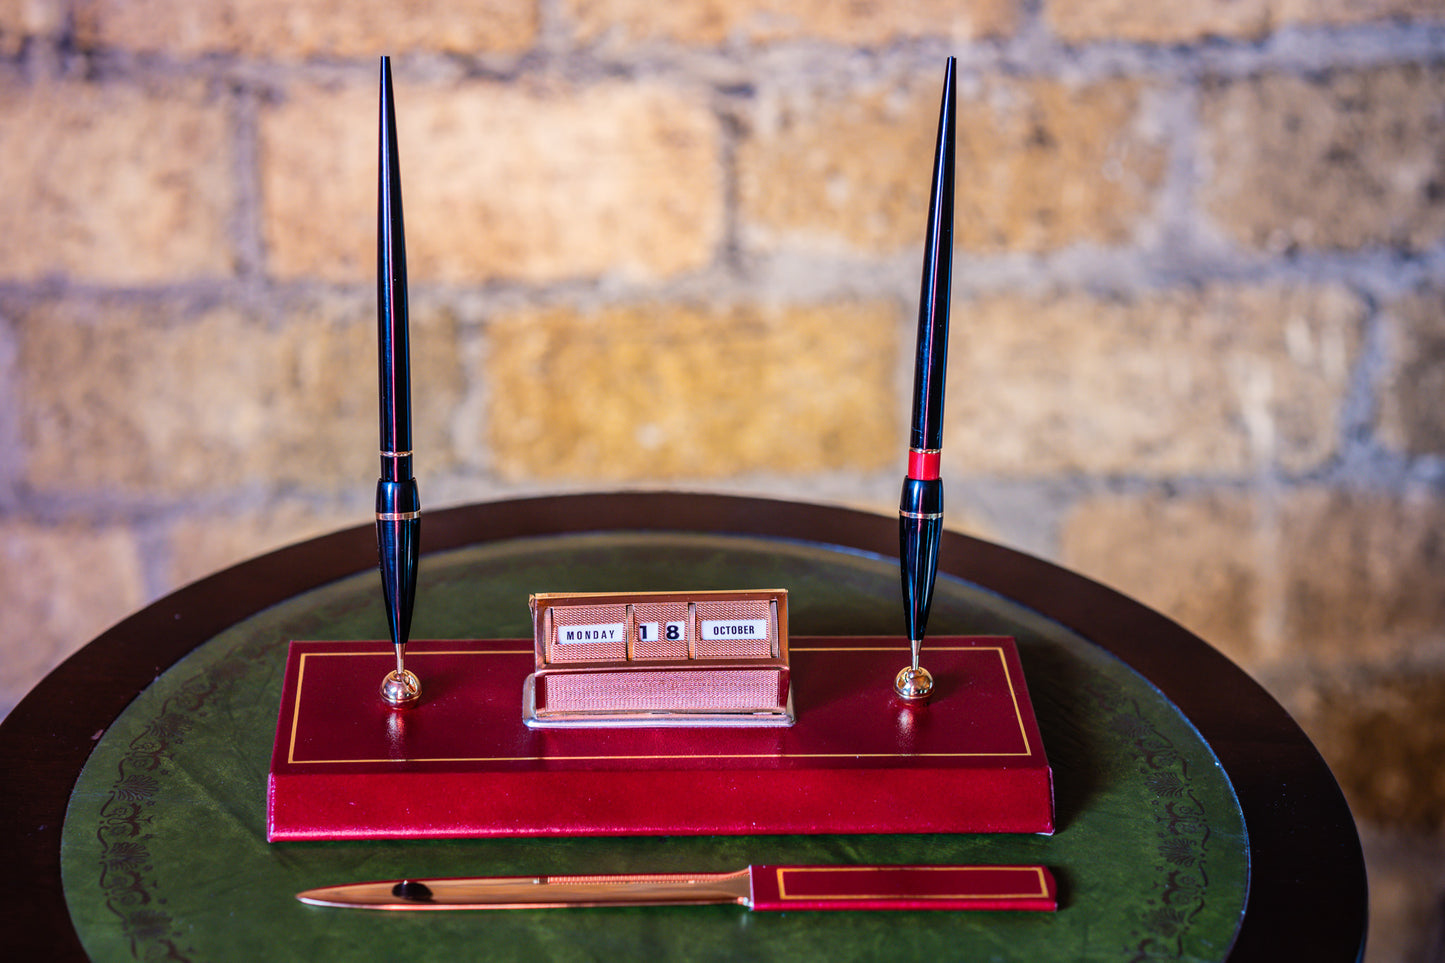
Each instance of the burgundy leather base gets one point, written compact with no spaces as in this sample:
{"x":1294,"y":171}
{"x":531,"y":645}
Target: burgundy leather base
{"x":462,"y":764}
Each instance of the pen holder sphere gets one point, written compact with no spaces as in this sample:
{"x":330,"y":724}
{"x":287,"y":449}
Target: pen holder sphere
{"x":402,"y":689}
{"x":914,"y":683}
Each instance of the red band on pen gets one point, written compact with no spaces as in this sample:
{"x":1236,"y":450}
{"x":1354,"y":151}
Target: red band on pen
{"x":924,"y":465}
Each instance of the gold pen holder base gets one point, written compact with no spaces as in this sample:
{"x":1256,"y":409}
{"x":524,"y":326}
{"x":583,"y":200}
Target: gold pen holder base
{"x":913,"y":683}
{"x":401,"y":690}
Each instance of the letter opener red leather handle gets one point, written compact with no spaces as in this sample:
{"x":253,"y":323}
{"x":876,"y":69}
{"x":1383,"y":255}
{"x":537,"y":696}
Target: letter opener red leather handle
{"x":756,"y":887}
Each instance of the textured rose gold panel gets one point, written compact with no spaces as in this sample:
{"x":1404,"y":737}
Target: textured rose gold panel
{"x":749,"y":610}
{"x":574,"y":617}
{"x":683,"y":690}
{"x":662,"y":647}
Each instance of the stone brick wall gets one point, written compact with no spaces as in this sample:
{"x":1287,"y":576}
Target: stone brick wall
{"x":1199,"y":308}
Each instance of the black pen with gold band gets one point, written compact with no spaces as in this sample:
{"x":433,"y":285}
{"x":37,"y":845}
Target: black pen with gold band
{"x":398,"y":506}
{"x":920,"y":511}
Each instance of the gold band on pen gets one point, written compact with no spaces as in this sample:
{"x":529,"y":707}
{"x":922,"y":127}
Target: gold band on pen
{"x":397,"y":516}
{"x":926,"y":516}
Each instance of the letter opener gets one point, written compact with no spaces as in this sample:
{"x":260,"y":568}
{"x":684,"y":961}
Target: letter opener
{"x":756,"y":887}
{"x":398,"y":506}
{"x":920,"y":510}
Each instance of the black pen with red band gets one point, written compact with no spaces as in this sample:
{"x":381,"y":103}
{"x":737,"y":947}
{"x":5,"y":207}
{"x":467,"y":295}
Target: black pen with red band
{"x":920,"y":511}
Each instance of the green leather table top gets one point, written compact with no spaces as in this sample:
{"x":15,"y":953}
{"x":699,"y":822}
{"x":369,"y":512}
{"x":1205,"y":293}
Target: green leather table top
{"x":164,"y":853}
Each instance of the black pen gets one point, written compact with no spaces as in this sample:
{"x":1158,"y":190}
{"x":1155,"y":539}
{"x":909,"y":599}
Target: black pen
{"x":920,"y":512}
{"x":398,"y":506}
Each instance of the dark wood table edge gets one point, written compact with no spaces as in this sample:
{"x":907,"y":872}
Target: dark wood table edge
{"x":1307,"y":896}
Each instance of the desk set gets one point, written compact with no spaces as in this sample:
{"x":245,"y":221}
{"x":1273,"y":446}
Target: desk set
{"x":623,"y":700}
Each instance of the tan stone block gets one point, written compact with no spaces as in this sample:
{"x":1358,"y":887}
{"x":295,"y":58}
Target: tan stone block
{"x":1196,"y":560}
{"x":112,"y":183}
{"x":1412,"y":397}
{"x":868,"y":22}
{"x":1176,"y":21}
{"x":308,"y":28}
{"x":1383,"y":736}
{"x":1165,"y":22}
{"x":200,"y":545}
{"x":1217,"y":381}
{"x":64,"y":585}
{"x":657,"y":391}
{"x":1343,"y":12}
{"x":1314,"y":576}
{"x":498,"y":182}
{"x":113,"y":400}
{"x":1367,"y":579}
{"x":1350,"y":159}
{"x":21,"y":20}
{"x":1041,"y":165}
